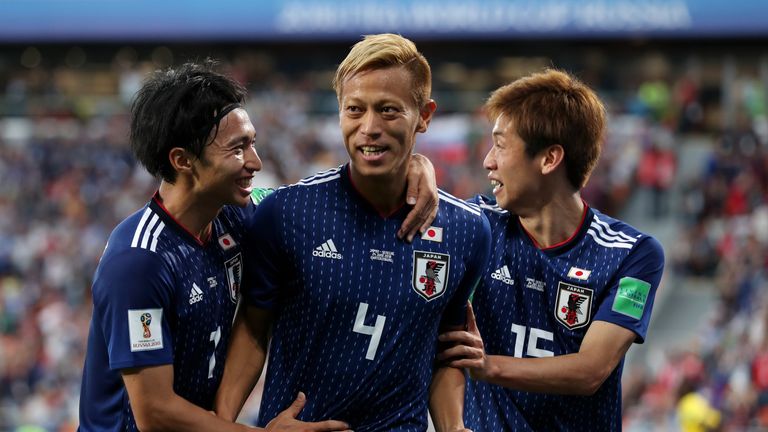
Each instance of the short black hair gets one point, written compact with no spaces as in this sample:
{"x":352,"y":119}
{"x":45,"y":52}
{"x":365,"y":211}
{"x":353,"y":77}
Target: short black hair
{"x":180,"y":107}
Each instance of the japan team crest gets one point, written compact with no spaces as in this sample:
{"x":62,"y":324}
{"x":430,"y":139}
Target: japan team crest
{"x":573,"y":307}
{"x":430,"y":273}
{"x":234,"y":268}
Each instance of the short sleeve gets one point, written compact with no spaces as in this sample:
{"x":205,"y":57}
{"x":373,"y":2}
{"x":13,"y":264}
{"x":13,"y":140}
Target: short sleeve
{"x":263,"y":262}
{"x":631,"y":294}
{"x":455,"y":313}
{"x":133,"y":304}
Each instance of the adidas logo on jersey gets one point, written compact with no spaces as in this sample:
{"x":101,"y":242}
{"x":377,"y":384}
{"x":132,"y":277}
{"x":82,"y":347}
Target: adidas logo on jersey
{"x":196,"y":294}
{"x":503,"y":275}
{"x":327,"y":250}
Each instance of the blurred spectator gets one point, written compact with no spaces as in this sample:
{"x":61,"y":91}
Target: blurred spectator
{"x":656,"y":173}
{"x":67,"y":177}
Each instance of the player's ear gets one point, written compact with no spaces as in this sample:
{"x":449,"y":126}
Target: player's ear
{"x":425,"y":115}
{"x":552,"y":157}
{"x":180,"y":159}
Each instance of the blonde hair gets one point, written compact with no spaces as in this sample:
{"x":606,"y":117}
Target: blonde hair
{"x":383,"y":51}
{"x":553,"y":107}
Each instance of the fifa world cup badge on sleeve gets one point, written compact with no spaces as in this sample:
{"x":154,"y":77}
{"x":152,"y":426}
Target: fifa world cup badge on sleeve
{"x":631,"y":297}
{"x":430,"y":273}
{"x":573,"y":307}
{"x":145,"y":329}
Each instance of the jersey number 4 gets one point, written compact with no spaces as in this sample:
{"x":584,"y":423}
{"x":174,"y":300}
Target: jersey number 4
{"x":374,"y":331}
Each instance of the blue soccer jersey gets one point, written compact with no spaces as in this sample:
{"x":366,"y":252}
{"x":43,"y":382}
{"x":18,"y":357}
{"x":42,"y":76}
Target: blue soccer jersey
{"x":534,"y":302}
{"x":357,"y":310}
{"x":160,"y":297}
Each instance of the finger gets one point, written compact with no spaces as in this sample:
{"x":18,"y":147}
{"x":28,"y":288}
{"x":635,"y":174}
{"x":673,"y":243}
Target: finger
{"x":429,"y":218}
{"x":418,"y":218}
{"x":410,"y":225}
{"x":459,"y":352}
{"x":329,"y":425}
{"x":412,"y":188}
{"x":457,"y":336}
{"x":423,"y":219}
{"x":464,"y":364}
{"x":471,"y":321}
{"x":414,"y":219}
{"x":296,"y":406}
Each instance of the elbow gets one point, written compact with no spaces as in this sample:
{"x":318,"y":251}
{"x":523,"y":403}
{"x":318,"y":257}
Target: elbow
{"x":149,"y":419}
{"x":145,"y":425}
{"x":589,"y":388}
{"x":591,"y":382}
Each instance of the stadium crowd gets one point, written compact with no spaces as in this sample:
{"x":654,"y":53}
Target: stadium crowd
{"x":67,"y":177}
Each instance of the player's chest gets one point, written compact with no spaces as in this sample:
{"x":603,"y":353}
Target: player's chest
{"x":368,"y":263}
{"x":208,"y":284}
{"x":554,"y":292}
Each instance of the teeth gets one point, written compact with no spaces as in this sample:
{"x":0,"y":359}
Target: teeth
{"x":371,"y":150}
{"x":244,"y":183}
{"x":495,"y":183}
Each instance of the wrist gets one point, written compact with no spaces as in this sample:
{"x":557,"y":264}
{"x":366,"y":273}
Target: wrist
{"x":451,"y":427}
{"x":224,"y":411}
{"x":489,"y":371}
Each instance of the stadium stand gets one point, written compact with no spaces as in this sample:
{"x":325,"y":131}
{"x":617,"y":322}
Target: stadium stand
{"x":67,"y":177}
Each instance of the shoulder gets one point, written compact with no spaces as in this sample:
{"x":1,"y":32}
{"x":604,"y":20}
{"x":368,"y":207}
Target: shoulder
{"x":123,"y":267}
{"x":614,"y":233}
{"x":316,"y":181}
{"x":141,"y":230}
{"x":137,"y":248}
{"x":456,"y":206}
{"x":464,"y":216}
{"x":489,"y":207}
{"x":314,"y":185}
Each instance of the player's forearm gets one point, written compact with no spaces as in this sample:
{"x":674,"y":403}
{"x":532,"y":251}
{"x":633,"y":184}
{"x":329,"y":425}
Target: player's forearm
{"x":245,"y":361}
{"x":446,"y":399}
{"x":177,"y":414}
{"x":567,"y":374}
{"x":581,"y":373}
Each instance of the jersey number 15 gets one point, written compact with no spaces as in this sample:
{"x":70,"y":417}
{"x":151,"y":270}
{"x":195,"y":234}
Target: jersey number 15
{"x":534,"y":334}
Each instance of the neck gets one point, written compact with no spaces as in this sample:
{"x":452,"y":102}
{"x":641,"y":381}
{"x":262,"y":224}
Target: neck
{"x":385,"y":193}
{"x":556,"y":221}
{"x":188,"y":208}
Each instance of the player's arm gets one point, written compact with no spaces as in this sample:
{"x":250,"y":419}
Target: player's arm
{"x":615,"y":327}
{"x":580,"y":373}
{"x":245,"y":360}
{"x":446,"y":399}
{"x":148,"y":374}
{"x":446,"y":393}
{"x":246,"y":354}
{"x":156,"y":407}
{"x":421,"y":193}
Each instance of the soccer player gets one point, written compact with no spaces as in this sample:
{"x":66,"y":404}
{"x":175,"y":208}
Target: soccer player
{"x":567,"y":289}
{"x":168,"y":283}
{"x":356,"y":311}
